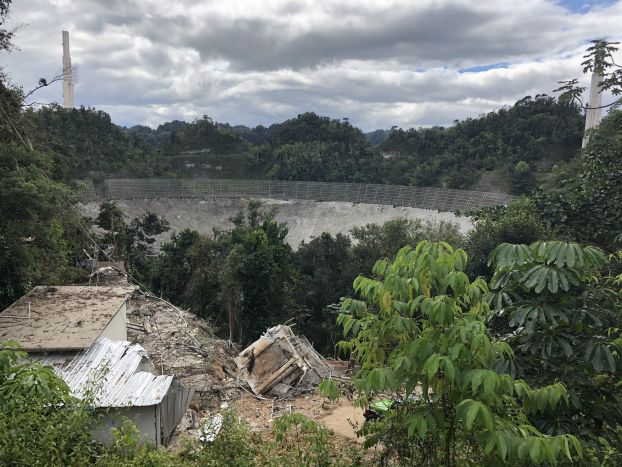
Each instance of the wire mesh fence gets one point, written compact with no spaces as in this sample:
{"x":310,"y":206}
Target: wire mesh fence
{"x":441,"y":199}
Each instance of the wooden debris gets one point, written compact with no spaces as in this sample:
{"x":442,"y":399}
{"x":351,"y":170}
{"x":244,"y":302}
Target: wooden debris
{"x":282,"y":363}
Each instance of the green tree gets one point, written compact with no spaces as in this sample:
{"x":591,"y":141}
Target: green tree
{"x":5,"y":34}
{"x":325,"y":265}
{"x":563,"y":307}
{"x":421,"y":324}
{"x":586,"y":204}
{"x":111,"y":219}
{"x":523,"y":179}
{"x":261,"y":265}
{"x":375,"y":241}
{"x":246,"y":274}
{"x":139,"y":240}
{"x":173,"y":268}
{"x":41,"y":422}
{"x":518,"y":222}
{"x":34,"y":222}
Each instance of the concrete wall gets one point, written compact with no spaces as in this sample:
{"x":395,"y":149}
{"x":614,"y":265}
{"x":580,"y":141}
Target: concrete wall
{"x":305,"y":219}
{"x":116,"y":329}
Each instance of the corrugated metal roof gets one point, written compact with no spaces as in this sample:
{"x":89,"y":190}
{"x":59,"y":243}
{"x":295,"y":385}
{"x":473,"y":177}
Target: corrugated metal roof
{"x":111,"y":372}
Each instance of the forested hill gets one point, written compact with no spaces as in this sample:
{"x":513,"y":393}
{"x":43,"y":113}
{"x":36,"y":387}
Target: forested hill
{"x":526,"y":139}
{"x":513,"y":147}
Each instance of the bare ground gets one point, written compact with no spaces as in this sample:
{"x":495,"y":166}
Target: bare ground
{"x":181,"y":344}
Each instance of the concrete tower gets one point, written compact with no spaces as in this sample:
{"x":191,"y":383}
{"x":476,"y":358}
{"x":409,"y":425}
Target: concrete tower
{"x":593,"y":115}
{"x":67,"y":76}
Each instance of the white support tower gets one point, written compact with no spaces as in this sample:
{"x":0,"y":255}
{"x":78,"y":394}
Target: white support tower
{"x":67,"y":74}
{"x":593,"y":114}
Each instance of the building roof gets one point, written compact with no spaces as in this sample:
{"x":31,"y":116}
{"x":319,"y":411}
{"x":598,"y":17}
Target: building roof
{"x":112,"y":372}
{"x":61,"y":318}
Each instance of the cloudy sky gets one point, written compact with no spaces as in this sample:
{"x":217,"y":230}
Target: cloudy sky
{"x":378,"y":62}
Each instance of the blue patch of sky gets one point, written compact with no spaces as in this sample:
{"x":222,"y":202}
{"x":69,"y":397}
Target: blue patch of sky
{"x":480,"y":68}
{"x":583,"y":6}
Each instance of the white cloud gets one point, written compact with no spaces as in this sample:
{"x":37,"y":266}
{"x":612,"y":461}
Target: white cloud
{"x":380,"y":63}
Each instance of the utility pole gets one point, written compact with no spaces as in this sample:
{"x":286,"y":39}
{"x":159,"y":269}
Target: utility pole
{"x":67,"y":74}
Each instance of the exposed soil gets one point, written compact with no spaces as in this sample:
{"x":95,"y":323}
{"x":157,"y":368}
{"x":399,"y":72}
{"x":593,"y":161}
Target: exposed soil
{"x":182,"y":344}
{"x":260,"y":414}
{"x":345,"y":420}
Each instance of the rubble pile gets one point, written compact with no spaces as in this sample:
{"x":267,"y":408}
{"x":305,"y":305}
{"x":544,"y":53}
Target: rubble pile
{"x":282,"y":364}
{"x":183,"y":344}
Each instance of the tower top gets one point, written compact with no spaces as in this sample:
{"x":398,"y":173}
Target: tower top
{"x":68,"y":102}
{"x":593,"y":114}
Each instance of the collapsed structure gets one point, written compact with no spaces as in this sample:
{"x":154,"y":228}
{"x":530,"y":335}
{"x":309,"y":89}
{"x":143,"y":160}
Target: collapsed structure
{"x":280,"y":363}
{"x":81,"y":332}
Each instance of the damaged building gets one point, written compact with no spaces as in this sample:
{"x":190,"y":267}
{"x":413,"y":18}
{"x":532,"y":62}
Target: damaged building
{"x":65,"y":319}
{"x":81,"y":332}
{"x":118,"y":376}
{"x":280,"y":363}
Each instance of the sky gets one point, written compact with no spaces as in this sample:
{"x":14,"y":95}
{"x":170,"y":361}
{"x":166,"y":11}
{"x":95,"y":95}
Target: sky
{"x":377,"y":62}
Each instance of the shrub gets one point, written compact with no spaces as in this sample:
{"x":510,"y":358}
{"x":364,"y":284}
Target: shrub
{"x":40,"y":422}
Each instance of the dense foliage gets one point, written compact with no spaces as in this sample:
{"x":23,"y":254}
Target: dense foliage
{"x":518,"y":222}
{"x":520,"y":141}
{"x":564,"y":309}
{"x":242,"y":278}
{"x":85,"y":143}
{"x":39,"y":232}
{"x":40,"y":422}
{"x":247,"y":279}
{"x":508,"y":149}
{"x":200,"y":135}
{"x":419,"y":333}
{"x":585,"y":199}
{"x":5,"y":34}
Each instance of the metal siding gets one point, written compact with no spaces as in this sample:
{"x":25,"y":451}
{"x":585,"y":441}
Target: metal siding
{"x":109,"y":369}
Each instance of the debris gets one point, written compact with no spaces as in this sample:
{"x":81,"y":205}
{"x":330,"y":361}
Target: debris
{"x":210,"y":430}
{"x":136,"y":327}
{"x":183,"y":344}
{"x":281,"y":363}
{"x":108,"y":273}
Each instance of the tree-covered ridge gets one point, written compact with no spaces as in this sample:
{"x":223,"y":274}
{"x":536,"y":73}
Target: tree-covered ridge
{"x":533,"y":134}
{"x":200,"y":135}
{"x":85,"y":142}
{"x":518,"y":145}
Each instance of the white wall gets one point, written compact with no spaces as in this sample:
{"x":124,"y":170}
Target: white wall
{"x":117,"y":327}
